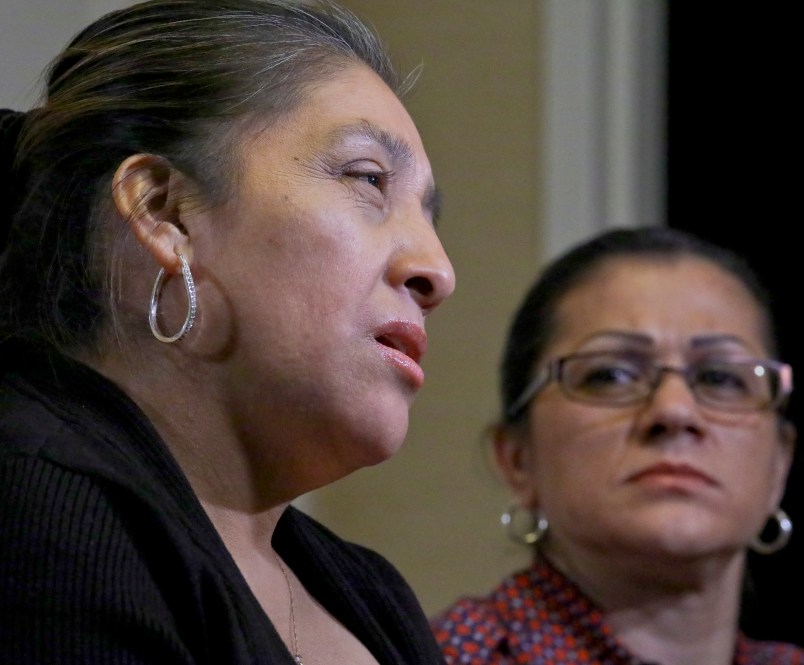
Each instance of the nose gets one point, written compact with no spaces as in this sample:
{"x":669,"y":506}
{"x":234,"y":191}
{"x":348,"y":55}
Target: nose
{"x":424,"y":269}
{"x":672,"y":406}
{"x":672,"y":391}
{"x":680,"y":382}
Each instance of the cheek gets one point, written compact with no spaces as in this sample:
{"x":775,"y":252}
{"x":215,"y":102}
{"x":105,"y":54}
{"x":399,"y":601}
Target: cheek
{"x":752,"y":459}
{"x":579,"y":451}
{"x":307,"y":261}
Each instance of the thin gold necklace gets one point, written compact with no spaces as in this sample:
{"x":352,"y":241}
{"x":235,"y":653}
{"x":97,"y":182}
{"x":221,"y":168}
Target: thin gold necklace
{"x":294,"y":647}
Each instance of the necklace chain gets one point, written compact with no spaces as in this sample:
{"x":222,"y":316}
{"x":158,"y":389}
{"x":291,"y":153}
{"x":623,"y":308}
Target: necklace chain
{"x":295,"y":645}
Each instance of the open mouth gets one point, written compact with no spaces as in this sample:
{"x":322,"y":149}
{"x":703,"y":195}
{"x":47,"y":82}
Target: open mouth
{"x":407,"y":338}
{"x":401,"y":345}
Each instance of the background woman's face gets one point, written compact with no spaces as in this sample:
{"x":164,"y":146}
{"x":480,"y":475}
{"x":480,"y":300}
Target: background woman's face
{"x":319,"y":274}
{"x":667,"y":476}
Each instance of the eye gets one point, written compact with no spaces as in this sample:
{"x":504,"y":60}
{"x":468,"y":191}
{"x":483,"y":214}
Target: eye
{"x":372,"y":179}
{"x":609,"y":370}
{"x":723,"y":378}
{"x":367,"y":171}
{"x":604,"y":373}
{"x":375,"y":178}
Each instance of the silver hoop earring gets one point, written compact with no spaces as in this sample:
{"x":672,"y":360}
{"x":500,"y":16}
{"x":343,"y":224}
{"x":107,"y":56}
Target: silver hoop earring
{"x":531,"y":533}
{"x":189,"y":286}
{"x":784,"y":528}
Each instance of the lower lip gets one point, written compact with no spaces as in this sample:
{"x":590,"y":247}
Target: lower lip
{"x":672,"y":481}
{"x":408,"y":367}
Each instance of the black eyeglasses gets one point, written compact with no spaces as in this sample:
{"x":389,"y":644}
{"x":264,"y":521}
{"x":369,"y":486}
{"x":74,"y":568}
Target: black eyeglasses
{"x":621,"y":379}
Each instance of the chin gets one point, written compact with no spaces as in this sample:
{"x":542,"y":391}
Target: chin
{"x":377,"y":450}
{"x":684,"y":543}
{"x":381,"y":445}
{"x":382,"y":450}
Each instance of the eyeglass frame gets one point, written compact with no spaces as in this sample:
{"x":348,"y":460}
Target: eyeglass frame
{"x":553,"y":371}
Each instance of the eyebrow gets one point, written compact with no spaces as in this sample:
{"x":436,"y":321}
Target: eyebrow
{"x":398,"y":150}
{"x":701,"y":341}
{"x":639,"y":338}
{"x":713,"y":340}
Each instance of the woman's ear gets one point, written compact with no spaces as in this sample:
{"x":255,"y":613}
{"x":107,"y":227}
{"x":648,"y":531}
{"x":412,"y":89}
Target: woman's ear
{"x":143,"y":190}
{"x":513,"y":454}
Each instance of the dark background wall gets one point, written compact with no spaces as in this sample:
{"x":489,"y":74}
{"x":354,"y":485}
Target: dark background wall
{"x":734,"y":175}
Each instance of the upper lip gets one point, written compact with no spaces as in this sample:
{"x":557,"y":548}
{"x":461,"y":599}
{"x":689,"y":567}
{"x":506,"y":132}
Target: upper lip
{"x":672,"y":468}
{"x":404,"y":336}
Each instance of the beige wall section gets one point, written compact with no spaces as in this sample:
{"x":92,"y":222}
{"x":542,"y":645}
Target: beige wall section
{"x":433,"y":509}
{"x":31,"y":33}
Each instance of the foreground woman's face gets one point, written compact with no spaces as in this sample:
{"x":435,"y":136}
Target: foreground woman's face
{"x":326,"y":263}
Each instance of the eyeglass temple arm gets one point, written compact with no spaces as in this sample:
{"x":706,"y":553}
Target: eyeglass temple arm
{"x":533,"y":387}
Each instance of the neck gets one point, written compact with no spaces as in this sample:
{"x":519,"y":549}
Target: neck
{"x":275,"y":587}
{"x":673,"y":612}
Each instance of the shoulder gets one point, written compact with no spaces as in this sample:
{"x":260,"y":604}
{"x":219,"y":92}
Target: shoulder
{"x":74,"y":419}
{"x":59,"y":525}
{"x":67,"y":552}
{"x":90,"y":562}
{"x":43,"y":414}
{"x":26,"y":422}
{"x":80,"y":512}
{"x":758,"y":652}
{"x":473,"y":627}
{"x":527,"y":610}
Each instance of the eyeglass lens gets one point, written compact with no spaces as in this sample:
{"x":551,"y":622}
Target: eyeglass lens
{"x":613,"y":378}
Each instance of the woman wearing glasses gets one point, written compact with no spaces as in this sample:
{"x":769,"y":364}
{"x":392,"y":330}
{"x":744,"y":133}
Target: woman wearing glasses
{"x":643,"y":432}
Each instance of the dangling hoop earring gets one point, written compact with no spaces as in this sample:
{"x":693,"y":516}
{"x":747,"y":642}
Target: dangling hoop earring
{"x":189,"y":286}
{"x":783,"y":532}
{"x":536,"y":531}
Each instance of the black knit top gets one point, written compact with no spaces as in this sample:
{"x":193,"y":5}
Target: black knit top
{"x":107,"y":556}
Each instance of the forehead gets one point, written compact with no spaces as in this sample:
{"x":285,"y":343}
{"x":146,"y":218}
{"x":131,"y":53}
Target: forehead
{"x":341,"y":107}
{"x":352,"y":114}
{"x":671,"y":300}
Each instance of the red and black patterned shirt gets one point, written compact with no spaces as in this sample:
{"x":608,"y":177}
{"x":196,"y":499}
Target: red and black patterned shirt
{"x":539,"y":617}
